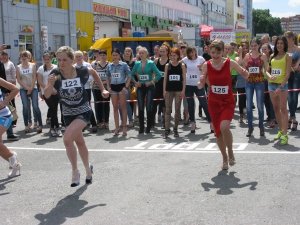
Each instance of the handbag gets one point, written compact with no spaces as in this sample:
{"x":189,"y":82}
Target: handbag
{"x":13,"y":112}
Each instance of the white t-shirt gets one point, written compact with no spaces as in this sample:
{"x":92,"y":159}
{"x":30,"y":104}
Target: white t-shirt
{"x":45,"y":75}
{"x":192,"y":71}
{"x":88,"y":84}
{"x":10,"y":71}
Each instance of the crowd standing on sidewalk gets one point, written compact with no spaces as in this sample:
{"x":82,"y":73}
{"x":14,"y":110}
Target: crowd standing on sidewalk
{"x":78,"y":89}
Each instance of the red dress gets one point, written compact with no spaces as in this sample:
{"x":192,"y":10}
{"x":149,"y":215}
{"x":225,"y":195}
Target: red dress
{"x":221,"y":101}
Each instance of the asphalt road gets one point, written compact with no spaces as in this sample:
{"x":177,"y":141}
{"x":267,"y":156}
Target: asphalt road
{"x":144,"y":179}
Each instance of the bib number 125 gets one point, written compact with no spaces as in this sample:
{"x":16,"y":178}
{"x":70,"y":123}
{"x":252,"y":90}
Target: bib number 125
{"x":221,"y":90}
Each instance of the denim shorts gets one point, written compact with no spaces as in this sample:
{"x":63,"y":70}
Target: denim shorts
{"x":5,"y":121}
{"x":274,"y":86}
{"x":85,"y":117}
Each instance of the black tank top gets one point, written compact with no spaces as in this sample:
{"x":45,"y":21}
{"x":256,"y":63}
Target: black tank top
{"x":72,"y":94}
{"x":174,"y":78}
{"x":161,"y":68}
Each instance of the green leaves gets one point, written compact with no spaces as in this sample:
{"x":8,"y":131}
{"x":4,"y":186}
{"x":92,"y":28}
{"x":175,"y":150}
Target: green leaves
{"x":263,"y":22}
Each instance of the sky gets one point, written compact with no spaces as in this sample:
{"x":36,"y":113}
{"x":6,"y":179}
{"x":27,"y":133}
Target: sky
{"x":279,"y":8}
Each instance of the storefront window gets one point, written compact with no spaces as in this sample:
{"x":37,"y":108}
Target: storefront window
{"x":26,"y":43}
{"x":58,"y":41}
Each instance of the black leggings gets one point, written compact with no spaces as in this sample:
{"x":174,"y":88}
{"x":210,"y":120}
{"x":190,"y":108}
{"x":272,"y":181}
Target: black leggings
{"x":242,"y":100}
{"x":52,"y":104}
{"x":92,"y":118}
{"x":102,"y":106}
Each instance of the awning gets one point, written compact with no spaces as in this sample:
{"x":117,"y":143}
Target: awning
{"x":164,"y":33}
{"x":205,"y":30}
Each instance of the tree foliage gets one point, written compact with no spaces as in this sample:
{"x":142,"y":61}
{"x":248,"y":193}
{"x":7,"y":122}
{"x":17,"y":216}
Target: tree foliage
{"x":263,"y":22}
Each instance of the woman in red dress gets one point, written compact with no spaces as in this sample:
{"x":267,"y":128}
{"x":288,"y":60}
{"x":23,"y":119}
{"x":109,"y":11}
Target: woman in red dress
{"x":221,"y":103}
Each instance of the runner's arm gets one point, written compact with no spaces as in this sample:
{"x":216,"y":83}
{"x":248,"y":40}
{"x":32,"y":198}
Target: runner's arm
{"x":242,"y":71}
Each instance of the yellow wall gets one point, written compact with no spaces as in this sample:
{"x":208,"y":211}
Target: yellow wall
{"x":64,"y":4}
{"x":85,"y":22}
{"x":49,"y":3}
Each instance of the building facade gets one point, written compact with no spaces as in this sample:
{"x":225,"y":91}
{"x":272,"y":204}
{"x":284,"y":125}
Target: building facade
{"x":173,"y":15}
{"x":45,"y":25}
{"x":111,"y":18}
{"x":291,"y":24}
{"x":239,"y":14}
{"x":215,"y":14}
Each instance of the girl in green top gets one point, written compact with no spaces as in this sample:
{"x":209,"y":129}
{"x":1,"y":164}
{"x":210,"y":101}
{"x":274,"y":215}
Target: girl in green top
{"x":280,"y":66}
{"x":142,"y":76}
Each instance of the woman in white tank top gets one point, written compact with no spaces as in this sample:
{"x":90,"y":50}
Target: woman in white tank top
{"x":26,"y":77}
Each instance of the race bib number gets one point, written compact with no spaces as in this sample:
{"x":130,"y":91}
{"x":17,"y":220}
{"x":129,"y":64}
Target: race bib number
{"x":276,"y":72}
{"x":102,"y":75}
{"x":220,"y":90}
{"x":26,"y":71}
{"x":162,"y":74}
{"x":116,"y":75}
{"x":253,"y":69}
{"x":71,"y":83}
{"x":192,"y":76}
{"x":174,"y":78}
{"x":144,"y":77}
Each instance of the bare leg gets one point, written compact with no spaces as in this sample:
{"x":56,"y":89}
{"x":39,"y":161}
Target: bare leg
{"x":222,"y":147}
{"x":275,"y":101}
{"x":122,"y":100}
{"x":115,"y":103}
{"x":72,"y":132}
{"x":83,"y":152}
{"x":284,"y":112}
{"x":227,"y":137}
{"x":5,"y":153}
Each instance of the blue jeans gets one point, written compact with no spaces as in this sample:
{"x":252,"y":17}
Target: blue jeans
{"x":259,"y":91}
{"x":34,"y":96}
{"x":148,"y":94}
{"x":293,"y":83}
{"x":189,"y":93}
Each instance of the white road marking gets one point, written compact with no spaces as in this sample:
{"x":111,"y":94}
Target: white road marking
{"x":157,"y":151}
{"x":185,"y":146}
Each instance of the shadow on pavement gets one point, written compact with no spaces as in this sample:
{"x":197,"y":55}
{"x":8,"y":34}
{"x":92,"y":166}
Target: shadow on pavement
{"x":225,"y":182}
{"x":3,"y":184}
{"x":259,"y":140}
{"x":288,"y":147}
{"x":69,"y":207}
